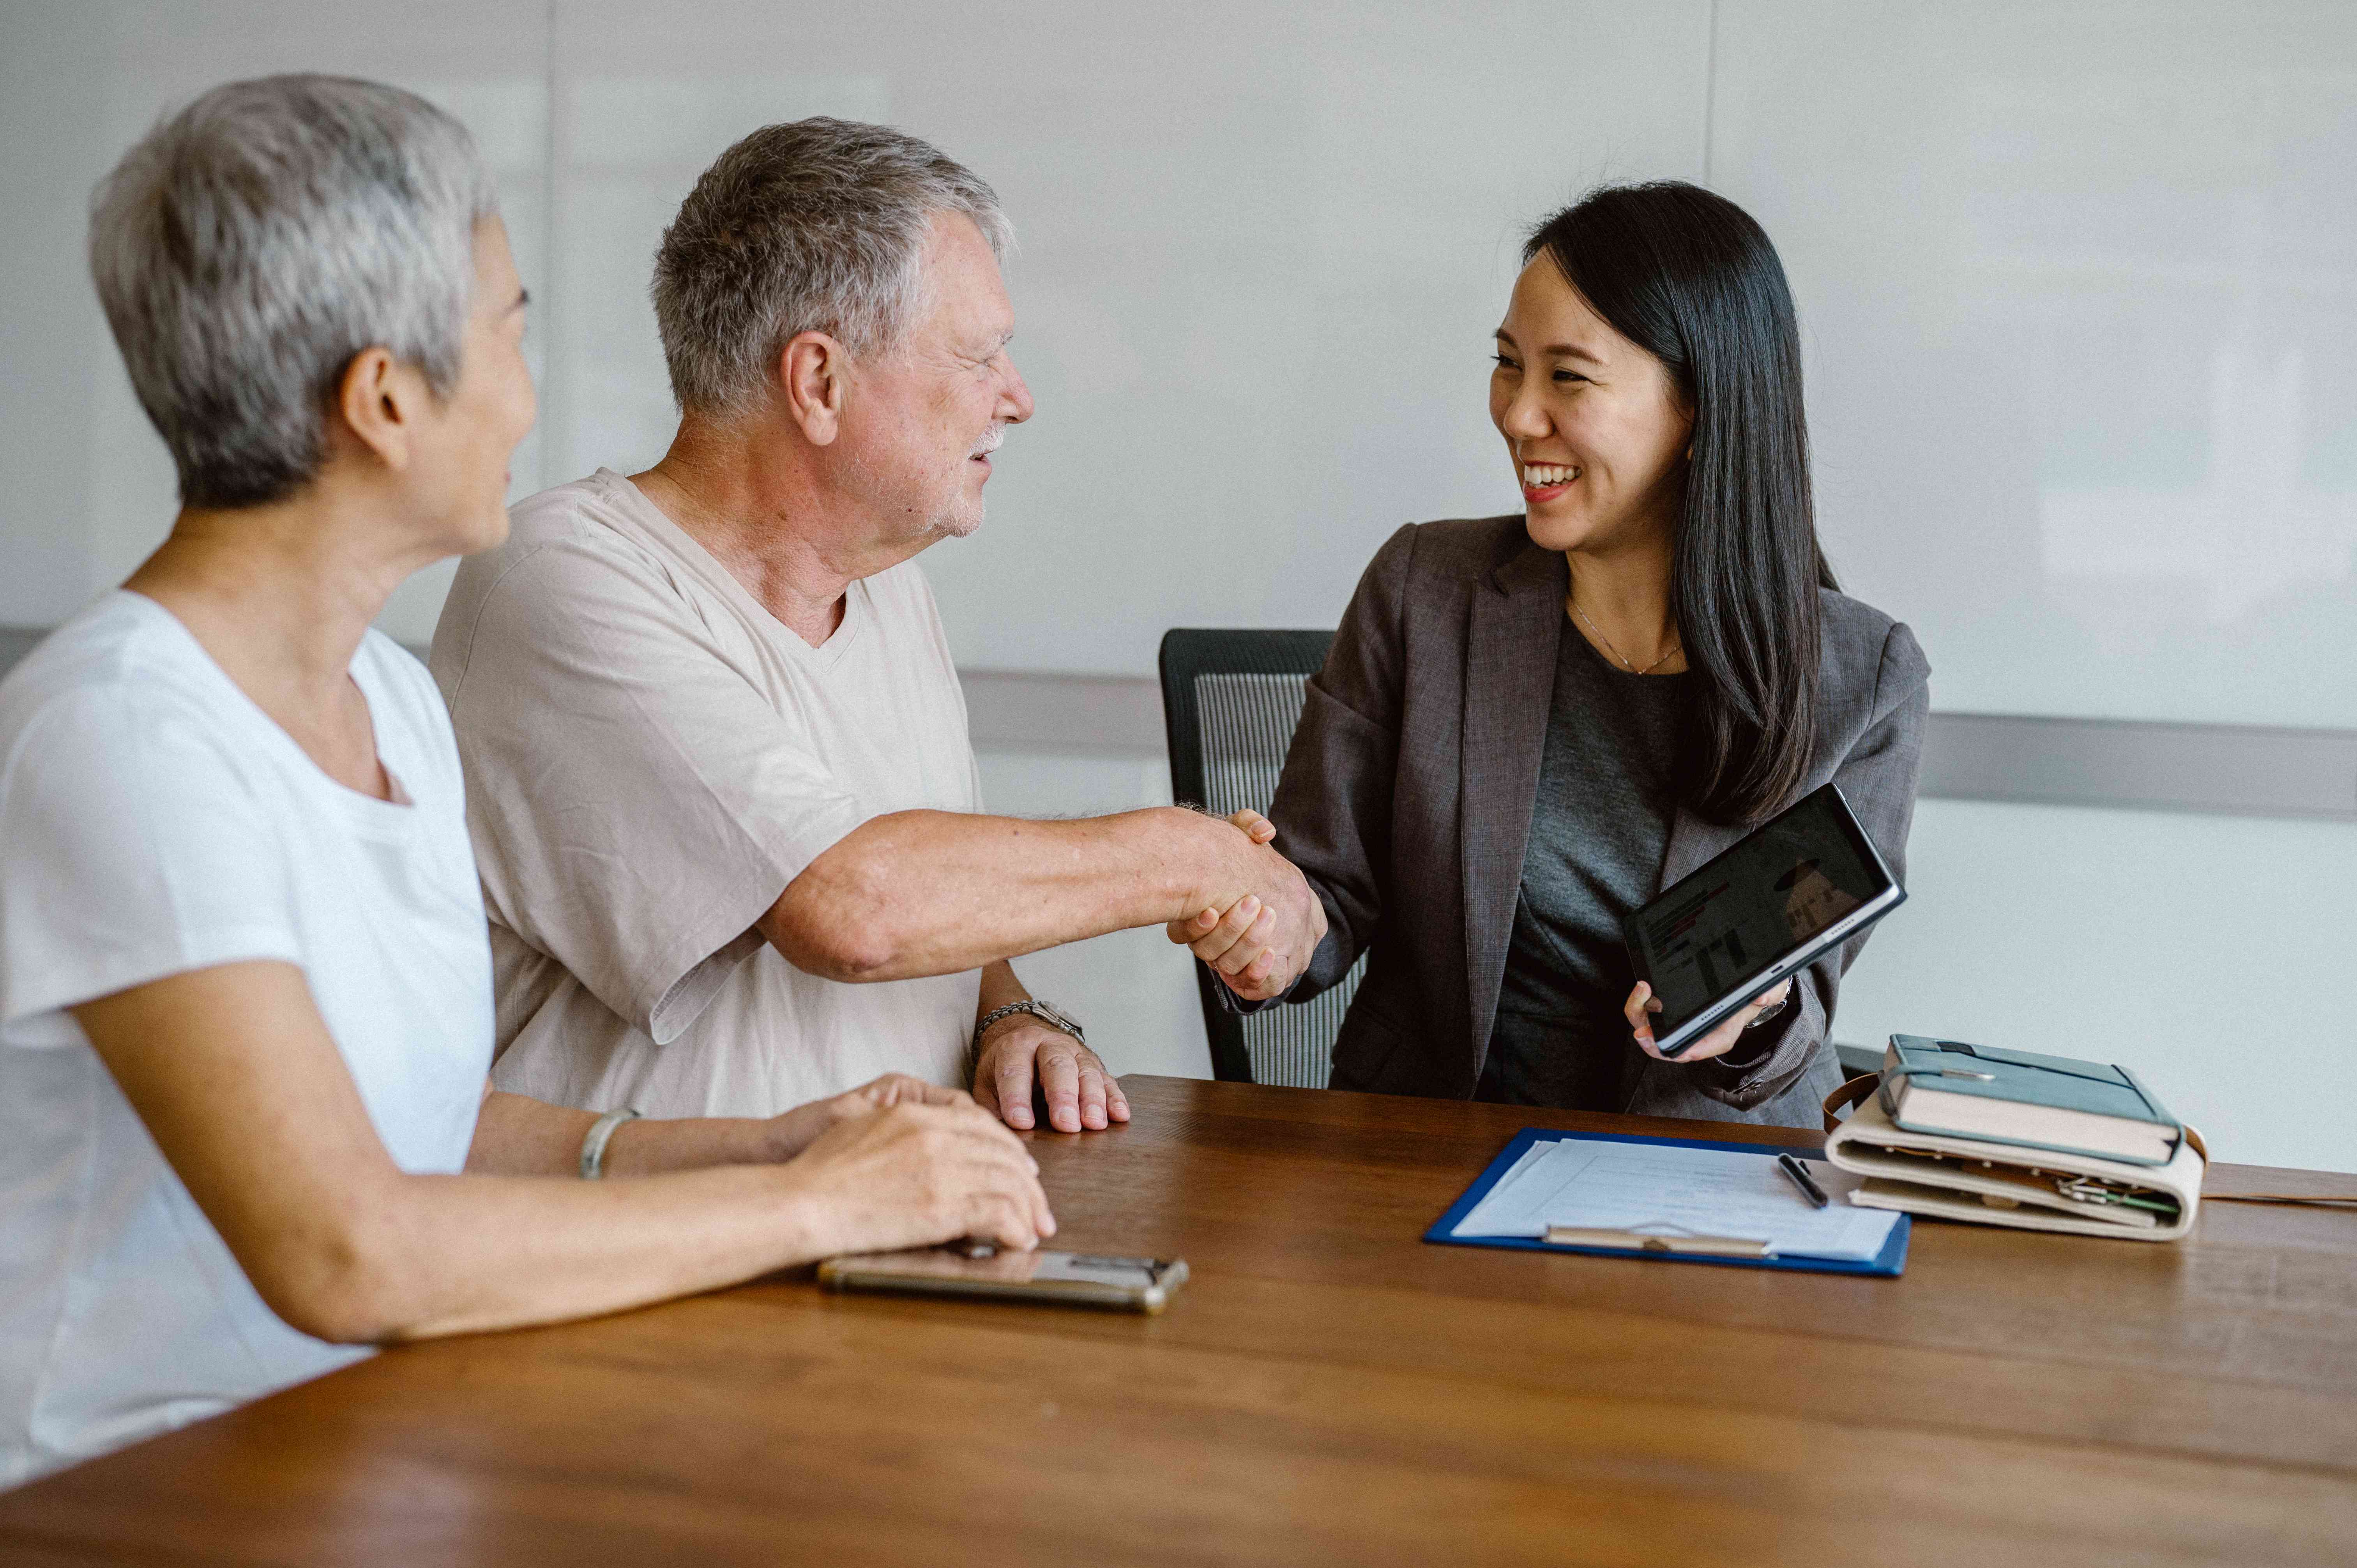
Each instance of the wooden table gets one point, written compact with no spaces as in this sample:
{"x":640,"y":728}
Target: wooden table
{"x":1328,"y":1389}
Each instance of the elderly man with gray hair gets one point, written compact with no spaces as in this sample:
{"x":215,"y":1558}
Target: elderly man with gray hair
{"x":719,"y":775}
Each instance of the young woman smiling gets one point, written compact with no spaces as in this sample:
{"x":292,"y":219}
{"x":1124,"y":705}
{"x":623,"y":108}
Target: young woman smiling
{"x":1477,"y":797}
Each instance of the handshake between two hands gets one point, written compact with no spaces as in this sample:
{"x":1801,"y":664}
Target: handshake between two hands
{"x":1261,"y":942}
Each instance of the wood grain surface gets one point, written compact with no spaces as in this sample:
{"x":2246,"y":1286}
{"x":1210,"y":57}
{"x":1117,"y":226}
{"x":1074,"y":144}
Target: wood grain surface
{"x":1328,"y":1389}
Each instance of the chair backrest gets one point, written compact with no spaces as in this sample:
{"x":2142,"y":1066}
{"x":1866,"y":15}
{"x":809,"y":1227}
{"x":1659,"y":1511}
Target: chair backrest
{"x":1230,"y":700}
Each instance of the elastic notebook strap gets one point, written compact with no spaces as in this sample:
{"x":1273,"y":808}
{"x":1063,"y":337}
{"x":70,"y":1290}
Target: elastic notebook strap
{"x":1852,"y":1093}
{"x":2123,"y":1077}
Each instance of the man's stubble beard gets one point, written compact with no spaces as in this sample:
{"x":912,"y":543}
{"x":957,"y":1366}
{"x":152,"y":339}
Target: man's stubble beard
{"x":953,"y":518}
{"x":960,"y":522}
{"x":962,"y":519}
{"x":956,"y":520}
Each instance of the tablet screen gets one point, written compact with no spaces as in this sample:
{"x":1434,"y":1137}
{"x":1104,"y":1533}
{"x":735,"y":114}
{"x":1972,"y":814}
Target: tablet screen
{"x":1785,"y":885}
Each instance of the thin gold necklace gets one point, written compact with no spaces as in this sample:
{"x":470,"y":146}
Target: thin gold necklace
{"x":1626,"y":663}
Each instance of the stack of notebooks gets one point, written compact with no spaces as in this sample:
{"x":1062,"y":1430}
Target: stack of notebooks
{"x":2012,"y":1138}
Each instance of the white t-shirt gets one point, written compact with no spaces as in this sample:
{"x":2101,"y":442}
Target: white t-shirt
{"x":650,"y":758}
{"x":154,"y":820}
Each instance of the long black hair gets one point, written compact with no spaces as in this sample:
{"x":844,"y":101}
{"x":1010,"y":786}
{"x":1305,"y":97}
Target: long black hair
{"x":1690,"y":278}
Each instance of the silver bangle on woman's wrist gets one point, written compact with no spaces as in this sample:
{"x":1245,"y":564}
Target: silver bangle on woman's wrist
{"x":1775,"y":1012}
{"x":594,"y":1142}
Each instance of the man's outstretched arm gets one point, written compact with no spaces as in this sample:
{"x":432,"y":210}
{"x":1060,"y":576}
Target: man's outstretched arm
{"x":918,"y":892}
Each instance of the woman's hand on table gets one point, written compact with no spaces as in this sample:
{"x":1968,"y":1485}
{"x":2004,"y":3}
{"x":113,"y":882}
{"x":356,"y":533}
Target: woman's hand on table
{"x":1643,"y":1005}
{"x":912,"y":1175}
{"x":796,"y":1129}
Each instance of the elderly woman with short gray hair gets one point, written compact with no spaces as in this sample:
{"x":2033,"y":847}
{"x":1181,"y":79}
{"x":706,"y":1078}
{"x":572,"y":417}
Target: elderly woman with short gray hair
{"x":245,"y":992}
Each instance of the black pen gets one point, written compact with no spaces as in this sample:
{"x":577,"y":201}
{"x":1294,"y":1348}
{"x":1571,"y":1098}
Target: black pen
{"x":1802,"y":1179}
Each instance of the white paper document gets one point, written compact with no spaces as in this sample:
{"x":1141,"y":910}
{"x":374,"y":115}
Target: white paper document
{"x":1665,"y":1190}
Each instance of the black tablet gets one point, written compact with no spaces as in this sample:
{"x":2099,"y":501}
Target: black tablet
{"x":1802,"y":882}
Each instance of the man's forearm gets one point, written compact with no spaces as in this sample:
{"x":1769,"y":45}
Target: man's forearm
{"x":938,"y":892}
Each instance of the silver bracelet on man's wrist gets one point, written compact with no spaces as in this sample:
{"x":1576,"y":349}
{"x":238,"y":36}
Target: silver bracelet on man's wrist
{"x":1047,"y":1012}
{"x":1775,"y":1012}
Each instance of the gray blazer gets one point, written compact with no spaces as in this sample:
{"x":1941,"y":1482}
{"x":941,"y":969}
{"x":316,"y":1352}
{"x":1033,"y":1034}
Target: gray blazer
{"x":1407,"y":801}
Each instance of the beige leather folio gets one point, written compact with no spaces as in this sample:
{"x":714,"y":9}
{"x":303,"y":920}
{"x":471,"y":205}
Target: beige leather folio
{"x":1997,"y":1184}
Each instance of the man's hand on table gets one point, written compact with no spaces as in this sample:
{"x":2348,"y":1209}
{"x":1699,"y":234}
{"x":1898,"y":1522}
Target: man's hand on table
{"x":1020,"y":1051}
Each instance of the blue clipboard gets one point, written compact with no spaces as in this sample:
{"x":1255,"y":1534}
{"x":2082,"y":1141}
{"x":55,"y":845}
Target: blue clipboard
{"x":1886,"y":1265}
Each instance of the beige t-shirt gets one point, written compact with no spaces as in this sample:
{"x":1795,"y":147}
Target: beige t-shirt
{"x":650,"y":758}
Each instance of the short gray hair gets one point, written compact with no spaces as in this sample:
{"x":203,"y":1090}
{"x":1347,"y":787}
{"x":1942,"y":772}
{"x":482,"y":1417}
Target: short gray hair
{"x":816,"y":226}
{"x":256,"y":241}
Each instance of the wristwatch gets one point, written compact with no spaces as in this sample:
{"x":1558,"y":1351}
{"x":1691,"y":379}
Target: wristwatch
{"x":1047,"y":1012}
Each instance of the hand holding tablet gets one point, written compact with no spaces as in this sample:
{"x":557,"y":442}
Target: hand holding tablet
{"x":1642,"y":1007}
{"x":1721,"y":946}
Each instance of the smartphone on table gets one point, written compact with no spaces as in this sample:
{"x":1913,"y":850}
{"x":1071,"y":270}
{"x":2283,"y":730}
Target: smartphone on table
{"x":1045,"y":1274}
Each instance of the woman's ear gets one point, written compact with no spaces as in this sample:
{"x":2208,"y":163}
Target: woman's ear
{"x":379,"y":402}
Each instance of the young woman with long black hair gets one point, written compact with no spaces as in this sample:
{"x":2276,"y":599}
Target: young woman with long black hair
{"x":1479,"y":798}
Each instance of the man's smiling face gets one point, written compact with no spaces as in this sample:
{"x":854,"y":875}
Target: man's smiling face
{"x":923,"y":419}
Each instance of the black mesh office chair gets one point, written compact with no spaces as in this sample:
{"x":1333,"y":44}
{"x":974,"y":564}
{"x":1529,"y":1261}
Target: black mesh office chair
{"x":1230,"y":700}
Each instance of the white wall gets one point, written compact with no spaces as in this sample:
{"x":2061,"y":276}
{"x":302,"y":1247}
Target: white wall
{"x":2079,"y":281}
{"x":2077,"y":276}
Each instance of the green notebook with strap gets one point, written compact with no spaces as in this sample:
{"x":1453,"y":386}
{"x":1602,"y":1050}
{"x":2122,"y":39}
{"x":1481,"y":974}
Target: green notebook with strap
{"x":2025,"y":1100}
